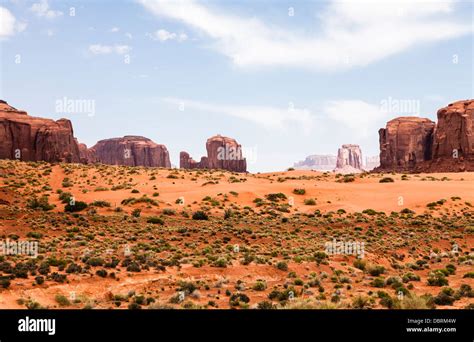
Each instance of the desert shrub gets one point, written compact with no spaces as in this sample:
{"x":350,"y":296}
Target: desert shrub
{"x":39,"y":203}
{"x":101,"y":273}
{"x":169,"y":212}
{"x":266,"y":305}
{"x":361,"y":302}
{"x":386,"y":180}
{"x":39,"y":280}
{"x":360,"y":264}
{"x":133,"y":267}
{"x":136,"y":212}
{"x":414,"y":302}
{"x":282,"y":266}
{"x":309,"y":201}
{"x":260,"y":285}
{"x":228,"y":213}
{"x":34,"y":235}
{"x":407,"y":211}
{"x":437,"y":278}
{"x":378,"y":282}
{"x":73,"y":268}
{"x":62,"y":300}
{"x":299,"y":191}
{"x":200,"y":215}
{"x":100,"y":204}
{"x":445,"y":297}
{"x":276,"y":197}
{"x":5,"y":282}
{"x":375,"y":270}
{"x":155,"y":220}
{"x":77,"y":206}
{"x":237,"y":298}
{"x":95,"y":261}
{"x":469,"y":275}
{"x":221,"y":262}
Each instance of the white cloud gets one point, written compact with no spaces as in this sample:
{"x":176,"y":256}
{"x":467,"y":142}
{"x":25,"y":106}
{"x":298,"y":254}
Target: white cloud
{"x":362,"y":118}
{"x":99,"y":49}
{"x":114,"y":29}
{"x":41,"y":9}
{"x":353,"y":33}
{"x":164,"y":35}
{"x":128,"y":35}
{"x":9,"y":25}
{"x":266,"y":116}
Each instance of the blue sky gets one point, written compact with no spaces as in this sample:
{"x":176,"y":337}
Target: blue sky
{"x":286,"y":79}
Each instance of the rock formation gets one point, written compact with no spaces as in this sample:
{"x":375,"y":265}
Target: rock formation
{"x":130,"y":151}
{"x":405,"y":142}
{"x":30,"y":138}
{"x":87,"y":155}
{"x":317,"y":162}
{"x":222,"y":153}
{"x":351,"y":155}
{"x":454,"y":133}
{"x":419,"y":145}
{"x":349,"y":159}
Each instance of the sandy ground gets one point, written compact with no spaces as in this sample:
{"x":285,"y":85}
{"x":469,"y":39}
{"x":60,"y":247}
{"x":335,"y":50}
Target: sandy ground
{"x":236,"y":191}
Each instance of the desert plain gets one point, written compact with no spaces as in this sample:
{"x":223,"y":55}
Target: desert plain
{"x":153,"y":238}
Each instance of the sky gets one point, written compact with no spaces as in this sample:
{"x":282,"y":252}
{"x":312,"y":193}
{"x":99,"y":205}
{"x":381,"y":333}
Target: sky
{"x":286,"y":79}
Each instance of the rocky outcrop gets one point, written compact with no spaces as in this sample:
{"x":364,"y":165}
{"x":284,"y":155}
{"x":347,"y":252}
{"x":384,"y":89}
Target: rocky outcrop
{"x":419,"y":145}
{"x":405,"y":142}
{"x":454,"y":133}
{"x":130,"y":151}
{"x":222,"y":153}
{"x":87,"y":155}
{"x":317,"y":162}
{"x":349,"y":155}
{"x":31,"y":138}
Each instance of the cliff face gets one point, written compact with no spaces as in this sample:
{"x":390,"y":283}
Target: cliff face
{"x":454,"y":132}
{"x":30,"y":138}
{"x":222,"y":153}
{"x":419,"y":145}
{"x":405,"y":142}
{"x":349,"y":155}
{"x":130,"y":151}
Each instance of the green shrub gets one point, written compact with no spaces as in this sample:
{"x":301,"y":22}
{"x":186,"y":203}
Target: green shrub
{"x":39,"y":203}
{"x":155,"y":220}
{"x":77,"y":206}
{"x":200,"y":215}
{"x":386,"y":180}
{"x":282,"y":266}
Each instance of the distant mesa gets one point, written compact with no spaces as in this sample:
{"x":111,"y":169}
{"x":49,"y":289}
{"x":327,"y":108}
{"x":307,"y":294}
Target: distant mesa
{"x":129,"y":150}
{"x":412,"y":144}
{"x":222,"y":153}
{"x":31,"y":138}
{"x":317,"y":162}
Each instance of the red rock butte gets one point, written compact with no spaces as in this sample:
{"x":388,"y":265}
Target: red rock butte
{"x":129,"y":150}
{"x":416,"y":144}
{"x":222,"y":153}
{"x":31,"y":138}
